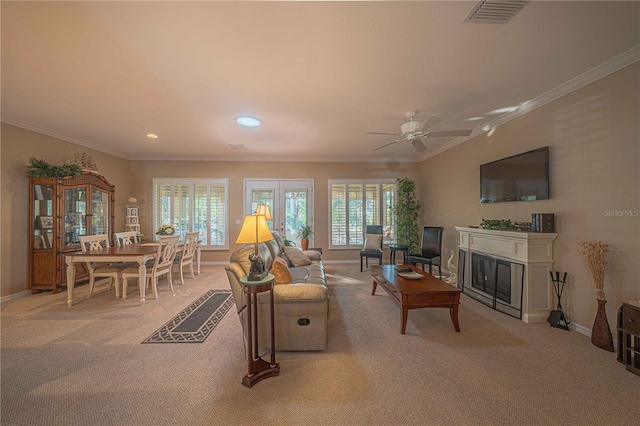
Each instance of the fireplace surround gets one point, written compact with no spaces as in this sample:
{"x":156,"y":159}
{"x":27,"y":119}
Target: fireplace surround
{"x":524,"y":257}
{"x":495,"y":282}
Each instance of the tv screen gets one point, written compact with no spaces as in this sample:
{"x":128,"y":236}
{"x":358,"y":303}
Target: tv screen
{"x":522,"y":177}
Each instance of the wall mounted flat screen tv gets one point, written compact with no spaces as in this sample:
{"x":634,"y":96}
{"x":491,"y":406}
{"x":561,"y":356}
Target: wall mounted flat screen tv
{"x":522,"y":177}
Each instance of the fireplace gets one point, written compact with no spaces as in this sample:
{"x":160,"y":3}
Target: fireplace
{"x":495,"y":282}
{"x":516,"y":266}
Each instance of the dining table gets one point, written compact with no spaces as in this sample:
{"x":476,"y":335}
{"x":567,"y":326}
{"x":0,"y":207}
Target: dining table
{"x":139,"y":253}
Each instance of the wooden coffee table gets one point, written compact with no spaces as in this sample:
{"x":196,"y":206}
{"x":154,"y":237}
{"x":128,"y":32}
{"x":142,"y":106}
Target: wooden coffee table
{"x":426,"y":292}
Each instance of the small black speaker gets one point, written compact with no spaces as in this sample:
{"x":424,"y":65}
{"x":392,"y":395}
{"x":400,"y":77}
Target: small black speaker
{"x":304,"y":321}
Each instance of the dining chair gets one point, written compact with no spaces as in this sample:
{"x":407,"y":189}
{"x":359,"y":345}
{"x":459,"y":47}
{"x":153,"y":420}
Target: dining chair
{"x":113,"y":271}
{"x":372,"y":244}
{"x":125,"y":238}
{"x":188,"y":253}
{"x":431,"y":249}
{"x":162,"y":264}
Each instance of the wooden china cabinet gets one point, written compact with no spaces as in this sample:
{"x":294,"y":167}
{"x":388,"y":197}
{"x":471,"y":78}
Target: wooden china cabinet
{"x":62,"y":209}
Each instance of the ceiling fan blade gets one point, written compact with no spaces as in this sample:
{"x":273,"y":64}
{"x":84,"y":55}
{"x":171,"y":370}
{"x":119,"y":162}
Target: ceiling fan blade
{"x":448,"y":133}
{"x":418,"y":145}
{"x":429,"y":122}
{"x":383,"y":146}
{"x":379,"y":133}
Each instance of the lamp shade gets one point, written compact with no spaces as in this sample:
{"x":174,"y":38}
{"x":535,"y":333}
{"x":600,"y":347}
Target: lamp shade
{"x":254,"y":230}
{"x":264,"y":210}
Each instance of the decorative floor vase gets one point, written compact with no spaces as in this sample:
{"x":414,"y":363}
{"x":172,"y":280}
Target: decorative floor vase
{"x":304,"y":243}
{"x":601,"y":333}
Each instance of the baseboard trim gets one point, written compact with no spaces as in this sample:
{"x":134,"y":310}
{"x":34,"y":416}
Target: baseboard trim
{"x":14,"y":296}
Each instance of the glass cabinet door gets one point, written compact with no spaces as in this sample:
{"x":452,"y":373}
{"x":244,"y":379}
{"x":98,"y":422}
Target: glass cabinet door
{"x":75,"y":215}
{"x":100,"y":212}
{"x":42,"y":216}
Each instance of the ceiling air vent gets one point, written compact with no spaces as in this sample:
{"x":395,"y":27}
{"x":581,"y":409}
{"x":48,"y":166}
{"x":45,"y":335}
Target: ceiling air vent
{"x":238,"y":146}
{"x":494,"y":11}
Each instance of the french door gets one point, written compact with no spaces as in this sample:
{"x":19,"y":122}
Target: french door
{"x":290,"y":202}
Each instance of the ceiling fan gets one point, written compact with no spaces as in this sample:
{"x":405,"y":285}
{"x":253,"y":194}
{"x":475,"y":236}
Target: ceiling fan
{"x":414,"y":131}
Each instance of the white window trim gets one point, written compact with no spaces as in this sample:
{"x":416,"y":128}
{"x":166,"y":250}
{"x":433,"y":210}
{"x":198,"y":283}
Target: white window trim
{"x":347,"y":182}
{"x":190,"y":182}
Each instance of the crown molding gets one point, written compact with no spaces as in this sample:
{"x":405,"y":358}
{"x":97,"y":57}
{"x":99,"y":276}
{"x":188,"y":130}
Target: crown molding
{"x":61,"y":136}
{"x":615,"y":64}
{"x":281,"y":159}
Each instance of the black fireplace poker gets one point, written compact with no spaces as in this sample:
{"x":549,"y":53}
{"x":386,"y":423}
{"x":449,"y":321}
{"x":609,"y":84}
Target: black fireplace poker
{"x":556,"y":317}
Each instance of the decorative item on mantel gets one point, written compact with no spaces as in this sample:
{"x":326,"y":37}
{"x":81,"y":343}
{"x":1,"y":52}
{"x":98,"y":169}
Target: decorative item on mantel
{"x":86,"y":162}
{"x":497,"y":224}
{"x":596,"y":253}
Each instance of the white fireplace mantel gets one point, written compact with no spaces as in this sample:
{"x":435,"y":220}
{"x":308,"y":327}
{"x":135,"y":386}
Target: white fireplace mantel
{"x":532,"y":249}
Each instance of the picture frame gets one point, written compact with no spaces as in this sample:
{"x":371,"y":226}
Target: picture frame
{"x":75,"y":218}
{"x":39,"y":242}
{"x":49,"y":240}
{"x":45,"y":222}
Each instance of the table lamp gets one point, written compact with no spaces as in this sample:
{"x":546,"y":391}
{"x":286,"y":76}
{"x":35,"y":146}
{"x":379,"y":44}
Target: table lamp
{"x":255,"y":230}
{"x":264,"y":210}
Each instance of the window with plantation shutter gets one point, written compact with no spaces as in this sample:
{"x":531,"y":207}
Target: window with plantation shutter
{"x":354,"y":204}
{"x":194,"y":205}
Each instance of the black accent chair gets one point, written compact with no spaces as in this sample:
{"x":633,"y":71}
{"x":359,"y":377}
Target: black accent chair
{"x":374,"y":253}
{"x":431,"y":249}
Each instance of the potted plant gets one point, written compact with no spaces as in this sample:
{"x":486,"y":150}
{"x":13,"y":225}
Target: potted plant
{"x":304,"y":233}
{"x":407,"y":212}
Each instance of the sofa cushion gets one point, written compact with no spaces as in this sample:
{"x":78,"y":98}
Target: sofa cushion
{"x":312,"y":254}
{"x":273,"y":247}
{"x":241,"y":257}
{"x":296,"y":256}
{"x":372,"y":242}
{"x":280,"y":271}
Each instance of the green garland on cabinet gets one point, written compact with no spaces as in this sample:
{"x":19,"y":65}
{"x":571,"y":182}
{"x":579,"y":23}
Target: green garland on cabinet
{"x":41,"y":168}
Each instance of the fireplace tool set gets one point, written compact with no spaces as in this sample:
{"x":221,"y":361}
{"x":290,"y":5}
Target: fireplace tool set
{"x":556,"y":317}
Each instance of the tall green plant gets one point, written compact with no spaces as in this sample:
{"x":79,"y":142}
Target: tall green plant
{"x":407,"y":212}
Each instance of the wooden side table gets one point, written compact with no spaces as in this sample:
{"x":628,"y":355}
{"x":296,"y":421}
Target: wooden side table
{"x":258,"y":368}
{"x":396,"y":247}
{"x":629,"y":336}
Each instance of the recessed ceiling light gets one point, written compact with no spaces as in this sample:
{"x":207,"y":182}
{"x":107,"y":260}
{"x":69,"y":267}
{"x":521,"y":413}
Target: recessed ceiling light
{"x":248,"y":121}
{"x":474,"y":118}
{"x":152,"y":136}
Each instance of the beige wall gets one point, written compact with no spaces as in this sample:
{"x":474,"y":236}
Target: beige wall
{"x":134,"y":178}
{"x":594,"y":139}
{"x":17,"y":146}
{"x":144,"y":171}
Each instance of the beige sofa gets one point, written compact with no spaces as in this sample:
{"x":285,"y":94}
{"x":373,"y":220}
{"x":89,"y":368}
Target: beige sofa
{"x":301,"y":308}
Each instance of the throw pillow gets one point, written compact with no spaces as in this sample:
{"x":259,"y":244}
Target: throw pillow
{"x":281,"y":272}
{"x":372,"y":241}
{"x":296,"y":256}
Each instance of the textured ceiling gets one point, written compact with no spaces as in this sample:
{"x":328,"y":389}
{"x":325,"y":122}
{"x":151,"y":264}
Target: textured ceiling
{"x":319,"y":74}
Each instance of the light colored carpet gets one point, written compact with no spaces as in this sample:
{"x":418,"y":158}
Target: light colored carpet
{"x":85,"y":365}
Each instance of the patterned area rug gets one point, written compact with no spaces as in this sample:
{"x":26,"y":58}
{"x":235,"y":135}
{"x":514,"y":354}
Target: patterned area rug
{"x":196,"y":321}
